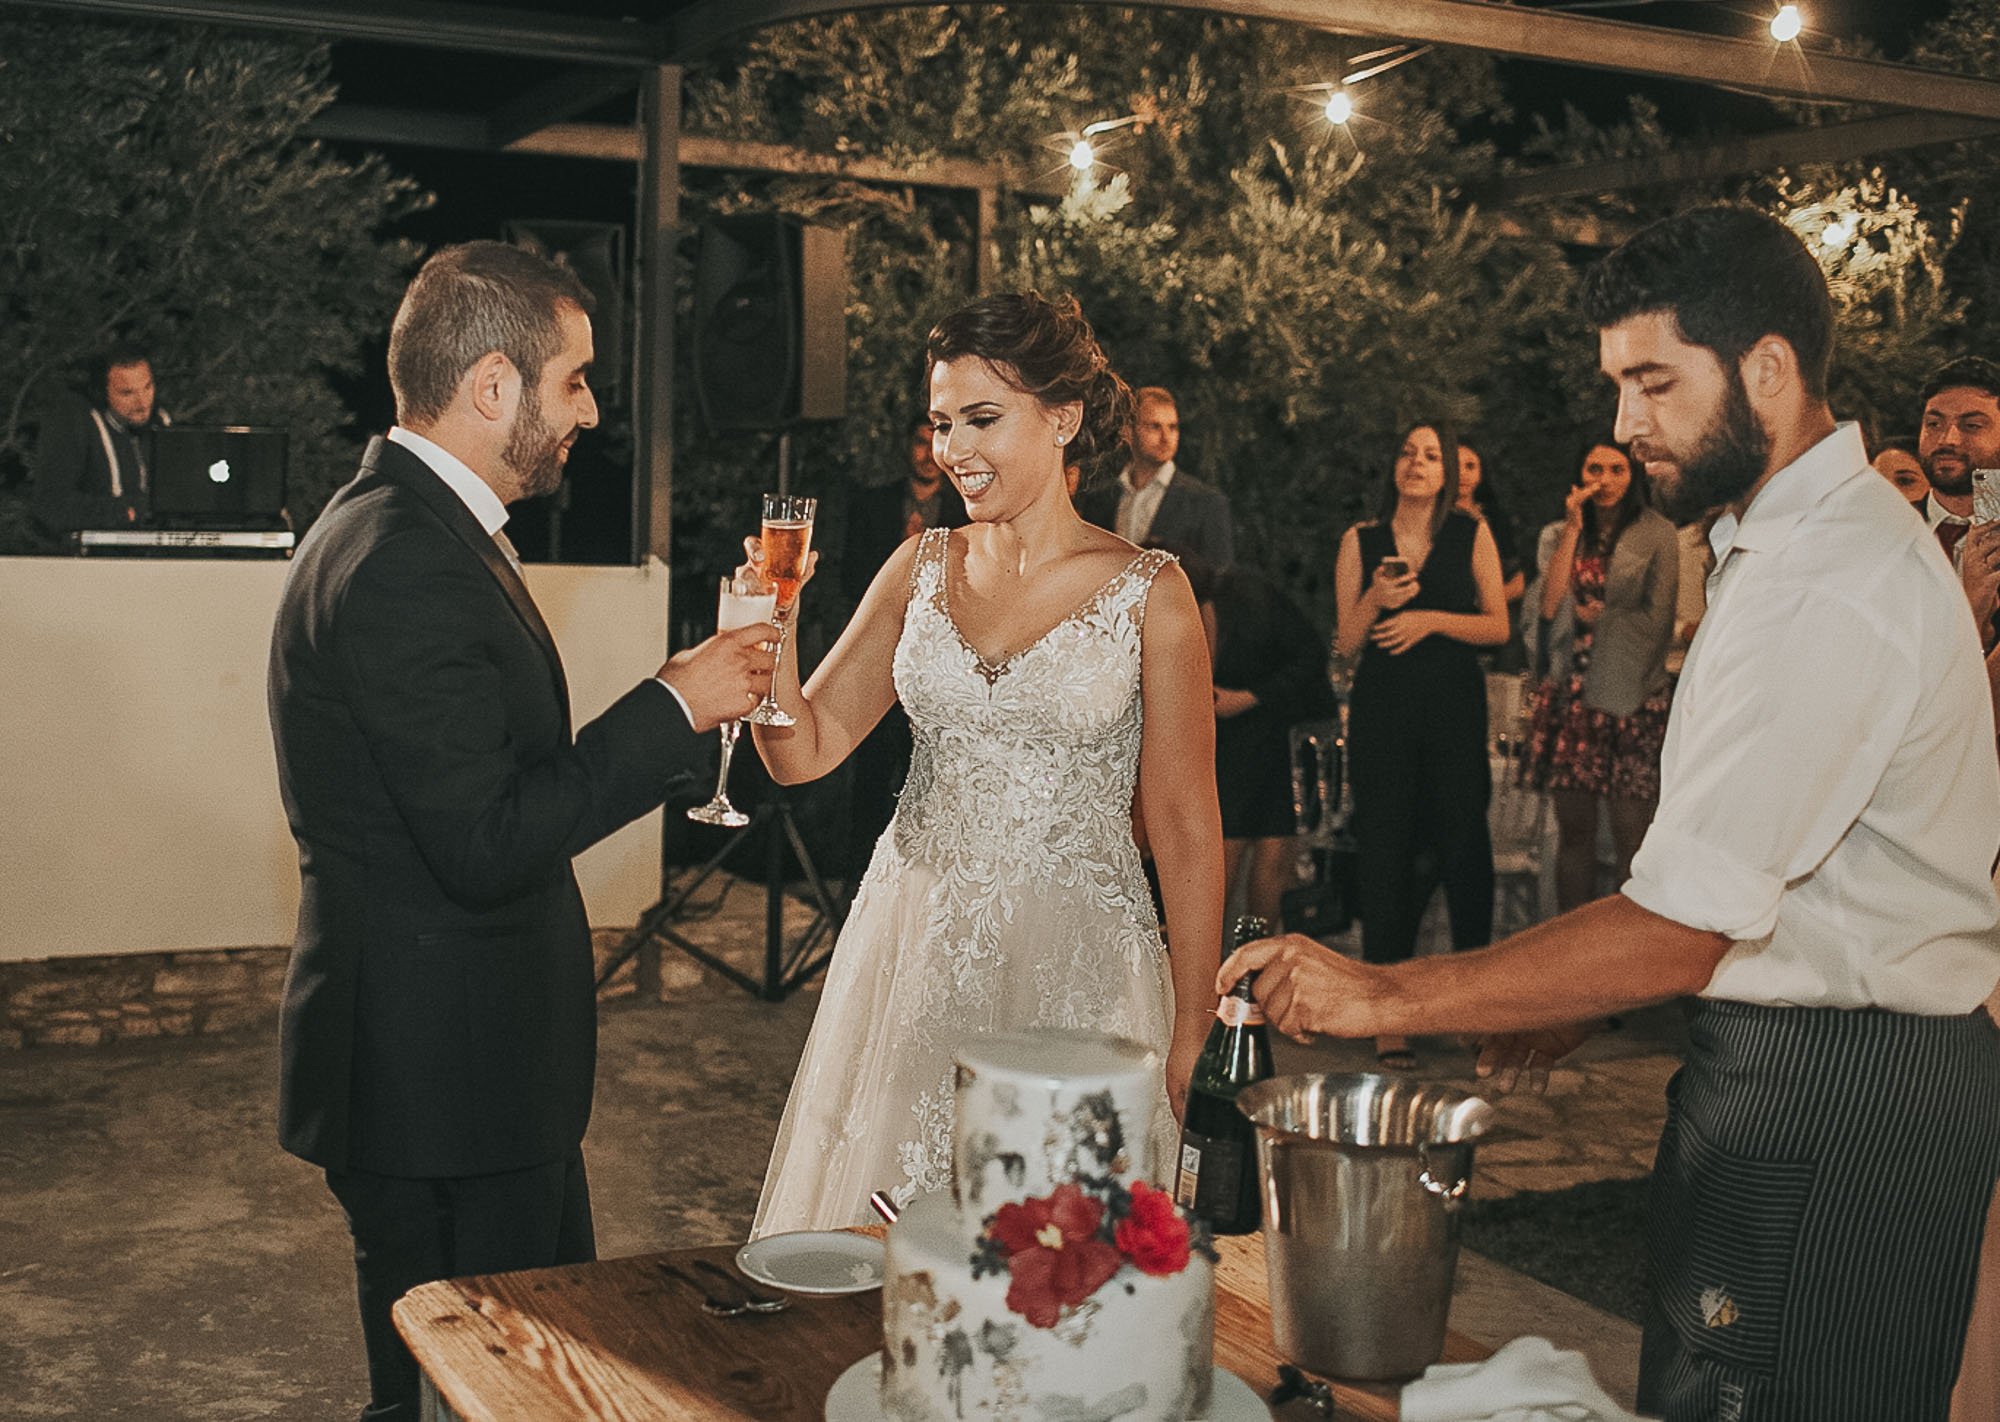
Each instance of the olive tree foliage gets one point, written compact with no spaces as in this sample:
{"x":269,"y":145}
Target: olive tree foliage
{"x":155,"y":187}
{"x":1889,"y":257}
{"x":1303,"y":288}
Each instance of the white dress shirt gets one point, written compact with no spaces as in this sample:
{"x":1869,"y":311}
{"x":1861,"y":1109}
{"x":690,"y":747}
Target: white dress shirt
{"x":485,"y":506}
{"x":1830,"y":797}
{"x":1136,"y":507}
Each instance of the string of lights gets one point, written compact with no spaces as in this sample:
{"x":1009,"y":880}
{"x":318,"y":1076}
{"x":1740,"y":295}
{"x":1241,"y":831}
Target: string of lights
{"x":1786,"y":25}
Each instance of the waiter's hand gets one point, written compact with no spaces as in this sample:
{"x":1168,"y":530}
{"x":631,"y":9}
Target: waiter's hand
{"x":1306,"y":989}
{"x":1506,"y":1057}
{"x":725,"y":676}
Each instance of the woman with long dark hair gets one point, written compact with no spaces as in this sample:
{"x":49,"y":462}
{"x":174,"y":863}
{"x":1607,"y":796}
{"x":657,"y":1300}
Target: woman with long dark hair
{"x":1418,"y":592}
{"x":1047,"y":667}
{"x":1610,"y":578}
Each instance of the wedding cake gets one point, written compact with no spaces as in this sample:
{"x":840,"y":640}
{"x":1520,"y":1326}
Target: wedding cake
{"x":1053,"y":1281}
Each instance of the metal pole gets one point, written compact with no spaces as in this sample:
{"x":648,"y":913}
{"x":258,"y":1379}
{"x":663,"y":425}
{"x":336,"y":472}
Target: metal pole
{"x":785,"y":462}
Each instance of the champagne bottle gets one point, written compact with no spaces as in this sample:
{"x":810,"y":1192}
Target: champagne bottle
{"x":1217,"y":1179}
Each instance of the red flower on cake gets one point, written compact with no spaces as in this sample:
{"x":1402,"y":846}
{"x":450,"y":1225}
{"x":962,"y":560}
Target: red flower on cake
{"x":1154,"y":1236}
{"x":1055,"y":1258}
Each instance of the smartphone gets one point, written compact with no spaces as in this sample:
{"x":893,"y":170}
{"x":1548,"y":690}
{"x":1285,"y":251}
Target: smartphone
{"x":1393,"y":567}
{"x":1985,"y":495}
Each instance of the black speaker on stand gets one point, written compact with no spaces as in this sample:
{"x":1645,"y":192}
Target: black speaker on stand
{"x":770,"y":323}
{"x":770,"y":351}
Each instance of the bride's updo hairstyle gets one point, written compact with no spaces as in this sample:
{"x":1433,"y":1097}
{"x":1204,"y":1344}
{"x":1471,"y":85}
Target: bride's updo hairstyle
{"x":1045,"y":349}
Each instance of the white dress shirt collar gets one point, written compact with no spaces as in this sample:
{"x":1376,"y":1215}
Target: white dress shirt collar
{"x":1936,"y":513}
{"x":1791,"y":493}
{"x":474,"y":492}
{"x":1162,"y":477}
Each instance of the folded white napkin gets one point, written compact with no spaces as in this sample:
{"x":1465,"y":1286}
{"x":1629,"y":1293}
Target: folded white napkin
{"x":1528,"y":1380}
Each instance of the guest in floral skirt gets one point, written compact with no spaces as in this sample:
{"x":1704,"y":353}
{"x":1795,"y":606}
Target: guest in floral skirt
{"x":1610,"y":575}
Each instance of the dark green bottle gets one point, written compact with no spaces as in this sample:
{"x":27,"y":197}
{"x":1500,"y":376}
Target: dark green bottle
{"x":1217,"y":1178}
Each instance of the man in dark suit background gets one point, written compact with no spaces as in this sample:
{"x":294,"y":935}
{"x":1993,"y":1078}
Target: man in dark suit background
{"x":439,"y":1024}
{"x":1154,"y":501}
{"x":881,"y":516}
{"x":90,"y":458}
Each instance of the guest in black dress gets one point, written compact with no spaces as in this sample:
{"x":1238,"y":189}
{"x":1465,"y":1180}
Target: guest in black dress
{"x":1269,"y":675}
{"x":1417,"y":716}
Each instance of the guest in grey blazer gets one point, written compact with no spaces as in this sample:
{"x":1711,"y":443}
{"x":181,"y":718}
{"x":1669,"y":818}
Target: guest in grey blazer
{"x":1606,"y":597}
{"x":1155,"y":501}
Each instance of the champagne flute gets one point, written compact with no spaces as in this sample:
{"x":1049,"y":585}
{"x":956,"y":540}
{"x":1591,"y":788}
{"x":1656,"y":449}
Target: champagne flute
{"x":739,"y":604}
{"x":787,"y":539}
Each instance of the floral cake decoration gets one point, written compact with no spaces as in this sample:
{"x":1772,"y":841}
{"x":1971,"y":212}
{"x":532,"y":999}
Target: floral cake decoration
{"x":1059,"y":1249}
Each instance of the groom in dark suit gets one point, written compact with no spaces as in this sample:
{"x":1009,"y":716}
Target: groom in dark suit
{"x":439,"y":1025}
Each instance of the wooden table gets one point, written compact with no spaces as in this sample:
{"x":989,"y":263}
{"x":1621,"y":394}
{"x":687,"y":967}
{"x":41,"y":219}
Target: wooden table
{"x":618,"y":1340}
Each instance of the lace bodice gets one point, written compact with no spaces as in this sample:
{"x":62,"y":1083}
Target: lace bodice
{"x":1006,"y":894}
{"x":1024,"y":767}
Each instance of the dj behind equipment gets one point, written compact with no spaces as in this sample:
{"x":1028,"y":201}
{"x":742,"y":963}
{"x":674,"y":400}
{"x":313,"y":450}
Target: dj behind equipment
{"x":215,"y":490}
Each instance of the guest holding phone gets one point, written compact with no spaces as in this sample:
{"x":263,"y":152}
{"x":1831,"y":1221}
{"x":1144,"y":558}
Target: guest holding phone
{"x":1417,"y":591}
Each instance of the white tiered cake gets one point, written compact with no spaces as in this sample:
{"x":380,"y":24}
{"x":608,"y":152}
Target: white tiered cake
{"x":1053,"y":1282}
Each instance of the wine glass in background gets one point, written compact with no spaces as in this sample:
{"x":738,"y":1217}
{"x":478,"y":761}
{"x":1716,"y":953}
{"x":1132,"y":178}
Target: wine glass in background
{"x":739,"y":604}
{"x":787,"y":539}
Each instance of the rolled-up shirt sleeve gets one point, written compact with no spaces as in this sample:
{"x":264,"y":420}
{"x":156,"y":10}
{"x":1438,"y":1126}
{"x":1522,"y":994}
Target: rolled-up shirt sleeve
{"x":1776,"y":748}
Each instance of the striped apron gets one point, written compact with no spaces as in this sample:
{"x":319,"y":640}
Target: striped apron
{"x":1816,"y":1215}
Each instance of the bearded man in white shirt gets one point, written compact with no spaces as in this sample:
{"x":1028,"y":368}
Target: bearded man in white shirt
{"x":1818,"y":873}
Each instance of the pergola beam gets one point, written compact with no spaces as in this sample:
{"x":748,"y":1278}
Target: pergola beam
{"x":1832,"y":143}
{"x":428,"y":128}
{"x":425,"y":24}
{"x":1755,"y":66}
{"x":574,"y":91}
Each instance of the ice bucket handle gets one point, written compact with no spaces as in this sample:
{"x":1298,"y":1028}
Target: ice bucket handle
{"x":1452,"y":1195}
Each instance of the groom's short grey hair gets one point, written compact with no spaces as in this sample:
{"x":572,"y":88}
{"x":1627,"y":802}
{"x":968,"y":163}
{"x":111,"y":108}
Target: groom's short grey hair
{"x":467,"y":302}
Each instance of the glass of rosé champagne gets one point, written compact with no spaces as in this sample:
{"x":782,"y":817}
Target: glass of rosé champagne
{"x":739,"y":604}
{"x":787,"y":540}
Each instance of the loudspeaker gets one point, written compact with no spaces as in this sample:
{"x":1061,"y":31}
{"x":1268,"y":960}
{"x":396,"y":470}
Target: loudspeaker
{"x":770,"y":322}
{"x":595,"y":251}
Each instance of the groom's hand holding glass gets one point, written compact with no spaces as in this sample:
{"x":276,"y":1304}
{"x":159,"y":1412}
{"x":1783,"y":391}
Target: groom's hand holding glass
{"x":725,"y":676}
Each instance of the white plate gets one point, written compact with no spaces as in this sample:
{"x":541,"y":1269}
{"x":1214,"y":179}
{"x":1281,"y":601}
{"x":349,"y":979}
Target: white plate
{"x":857,"y":1396}
{"x":814,"y":1261}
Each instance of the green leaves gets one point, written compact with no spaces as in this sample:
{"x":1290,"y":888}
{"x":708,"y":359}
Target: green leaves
{"x":155,"y":186}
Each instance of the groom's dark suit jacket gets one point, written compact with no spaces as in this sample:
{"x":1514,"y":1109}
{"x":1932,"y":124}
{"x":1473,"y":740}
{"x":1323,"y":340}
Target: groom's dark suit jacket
{"x":439,"y":1015}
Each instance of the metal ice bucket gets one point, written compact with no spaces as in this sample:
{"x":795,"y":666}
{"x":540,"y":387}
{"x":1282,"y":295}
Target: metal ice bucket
{"x":1362,"y":1177}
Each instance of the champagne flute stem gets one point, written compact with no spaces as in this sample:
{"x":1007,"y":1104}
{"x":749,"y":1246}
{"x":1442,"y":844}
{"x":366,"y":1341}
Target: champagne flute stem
{"x":784,"y":621}
{"x":729,"y":731}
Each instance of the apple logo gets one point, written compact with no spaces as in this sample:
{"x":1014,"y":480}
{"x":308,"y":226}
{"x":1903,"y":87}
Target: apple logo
{"x":218,"y":472}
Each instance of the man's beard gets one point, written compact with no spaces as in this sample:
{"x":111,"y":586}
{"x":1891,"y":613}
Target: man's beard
{"x":534,"y":449}
{"x":1727,"y":460}
{"x":1958,"y":485}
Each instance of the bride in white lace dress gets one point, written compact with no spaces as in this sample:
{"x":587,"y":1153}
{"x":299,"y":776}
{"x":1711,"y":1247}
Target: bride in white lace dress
{"x":1046,"y":666}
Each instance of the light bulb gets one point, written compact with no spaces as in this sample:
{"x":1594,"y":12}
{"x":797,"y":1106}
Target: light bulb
{"x":1836,"y":235}
{"x":1339,"y":107}
{"x":1082,"y":156}
{"x":1786,"y":24}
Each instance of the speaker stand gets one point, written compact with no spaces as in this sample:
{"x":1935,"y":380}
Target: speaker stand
{"x":787,"y":967}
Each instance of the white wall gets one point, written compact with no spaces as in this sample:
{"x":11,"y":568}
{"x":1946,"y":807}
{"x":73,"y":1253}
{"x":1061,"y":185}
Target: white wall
{"x":139,"y":803}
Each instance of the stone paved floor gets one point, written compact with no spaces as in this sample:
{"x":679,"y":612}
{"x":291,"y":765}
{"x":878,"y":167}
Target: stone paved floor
{"x":160,"y":1258}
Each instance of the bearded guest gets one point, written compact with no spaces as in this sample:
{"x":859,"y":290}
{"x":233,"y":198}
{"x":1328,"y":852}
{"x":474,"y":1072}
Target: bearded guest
{"x":439,"y":1031}
{"x":1960,"y":434}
